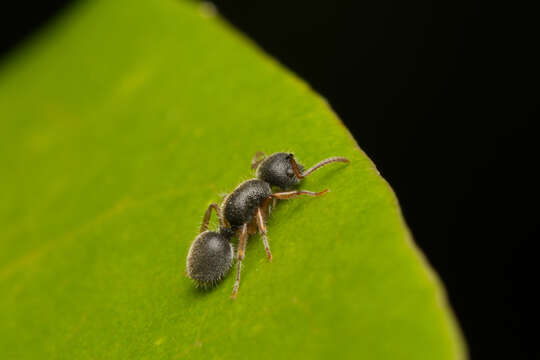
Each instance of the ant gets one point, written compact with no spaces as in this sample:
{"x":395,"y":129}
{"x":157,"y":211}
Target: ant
{"x":244,"y":211}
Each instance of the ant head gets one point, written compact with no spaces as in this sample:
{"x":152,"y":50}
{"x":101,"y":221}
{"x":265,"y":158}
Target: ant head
{"x":210,"y":257}
{"x":281,"y":170}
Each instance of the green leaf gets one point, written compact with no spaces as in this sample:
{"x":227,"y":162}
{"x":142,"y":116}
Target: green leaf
{"x":119,"y":125}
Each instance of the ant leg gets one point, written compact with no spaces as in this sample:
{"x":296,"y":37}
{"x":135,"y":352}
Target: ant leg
{"x":266,"y":207}
{"x":293,"y":194}
{"x":252,"y":227}
{"x":242,"y":240}
{"x":257,"y":159}
{"x":207,"y":214}
{"x":262,"y":230}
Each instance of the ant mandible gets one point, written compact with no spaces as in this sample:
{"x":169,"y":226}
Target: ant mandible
{"x":244,"y":211}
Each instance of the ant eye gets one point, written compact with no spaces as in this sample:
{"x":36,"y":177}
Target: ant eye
{"x":290,"y":172}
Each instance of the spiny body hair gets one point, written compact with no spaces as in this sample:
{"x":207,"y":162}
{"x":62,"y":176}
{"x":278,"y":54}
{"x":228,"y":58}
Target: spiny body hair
{"x":210,"y":257}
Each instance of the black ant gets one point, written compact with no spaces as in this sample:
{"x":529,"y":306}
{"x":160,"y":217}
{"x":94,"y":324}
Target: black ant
{"x":244,"y":211}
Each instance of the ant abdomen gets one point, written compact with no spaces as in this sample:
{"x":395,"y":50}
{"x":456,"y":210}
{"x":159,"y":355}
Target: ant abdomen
{"x":210,"y":258}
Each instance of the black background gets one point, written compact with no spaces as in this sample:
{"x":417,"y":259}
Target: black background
{"x":442,"y":97}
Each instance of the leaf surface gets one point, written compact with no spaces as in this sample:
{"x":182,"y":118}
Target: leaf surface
{"x":119,"y":125}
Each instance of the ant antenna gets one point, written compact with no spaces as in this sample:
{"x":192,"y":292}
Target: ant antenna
{"x":316,"y":166}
